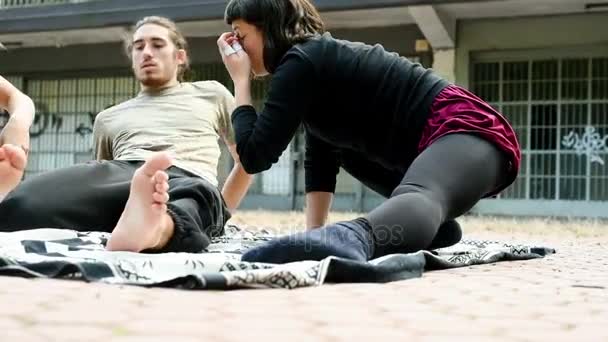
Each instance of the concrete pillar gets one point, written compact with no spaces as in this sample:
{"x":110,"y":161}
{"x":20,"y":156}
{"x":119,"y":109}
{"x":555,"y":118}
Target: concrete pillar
{"x":444,"y":63}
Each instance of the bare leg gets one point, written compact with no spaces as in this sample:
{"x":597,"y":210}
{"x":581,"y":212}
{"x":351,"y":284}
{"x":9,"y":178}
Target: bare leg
{"x":12,"y":164}
{"x":145,"y":223}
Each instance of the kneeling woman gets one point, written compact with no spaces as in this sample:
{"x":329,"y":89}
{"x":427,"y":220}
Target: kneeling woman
{"x":432,"y":148}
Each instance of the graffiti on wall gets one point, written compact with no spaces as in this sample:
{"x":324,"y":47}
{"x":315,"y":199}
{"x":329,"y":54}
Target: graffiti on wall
{"x":590,"y":143}
{"x":45,"y":122}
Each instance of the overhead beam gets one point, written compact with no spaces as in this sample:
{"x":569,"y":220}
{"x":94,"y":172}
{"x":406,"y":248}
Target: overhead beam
{"x":339,"y":5}
{"x":104,"y":13}
{"x":438,"y":28}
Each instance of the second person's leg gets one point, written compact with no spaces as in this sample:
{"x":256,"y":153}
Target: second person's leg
{"x":82,"y":197}
{"x":384,"y":181}
{"x":445,"y":181}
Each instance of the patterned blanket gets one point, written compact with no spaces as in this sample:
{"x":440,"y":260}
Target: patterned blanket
{"x":66,"y":254}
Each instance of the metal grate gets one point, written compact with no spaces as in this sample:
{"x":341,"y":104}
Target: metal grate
{"x":559,"y":109}
{"x":66,"y":109}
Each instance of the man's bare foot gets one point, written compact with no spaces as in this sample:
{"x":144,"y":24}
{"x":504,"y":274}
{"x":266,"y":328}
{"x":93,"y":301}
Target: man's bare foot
{"x":12,"y":165}
{"x":145,"y":224}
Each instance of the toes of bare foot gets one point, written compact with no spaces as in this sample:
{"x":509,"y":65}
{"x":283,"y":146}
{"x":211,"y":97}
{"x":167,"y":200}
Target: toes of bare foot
{"x":16,"y":155}
{"x":144,"y":220}
{"x":12,"y":166}
{"x":161,"y":187}
{"x":159,"y":162}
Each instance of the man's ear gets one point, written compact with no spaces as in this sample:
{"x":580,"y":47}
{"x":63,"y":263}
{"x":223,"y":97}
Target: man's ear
{"x":182,"y":56}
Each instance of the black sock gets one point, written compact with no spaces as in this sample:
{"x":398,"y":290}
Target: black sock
{"x":347,"y":239}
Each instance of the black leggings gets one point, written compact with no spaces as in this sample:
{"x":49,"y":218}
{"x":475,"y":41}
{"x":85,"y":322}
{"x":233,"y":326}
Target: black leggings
{"x":92,"y":196}
{"x":445,"y":181}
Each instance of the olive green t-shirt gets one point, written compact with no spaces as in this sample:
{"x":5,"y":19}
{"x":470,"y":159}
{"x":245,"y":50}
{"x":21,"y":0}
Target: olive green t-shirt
{"x":186,"y":120}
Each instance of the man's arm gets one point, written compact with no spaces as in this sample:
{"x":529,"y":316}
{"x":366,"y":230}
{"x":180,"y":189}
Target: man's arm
{"x":21,"y":110}
{"x":102,"y":144}
{"x":238,"y":182}
{"x":317,"y":208}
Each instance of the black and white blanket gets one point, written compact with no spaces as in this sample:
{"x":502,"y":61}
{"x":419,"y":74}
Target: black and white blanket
{"x":66,"y":254}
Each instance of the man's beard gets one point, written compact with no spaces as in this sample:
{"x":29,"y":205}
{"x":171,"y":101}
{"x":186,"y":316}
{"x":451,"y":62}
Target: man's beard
{"x":153,"y":81}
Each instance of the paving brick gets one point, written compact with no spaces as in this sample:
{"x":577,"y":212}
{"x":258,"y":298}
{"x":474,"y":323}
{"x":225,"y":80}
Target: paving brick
{"x":73,"y":332}
{"x":156,"y":338}
{"x":364,"y":333}
{"x":10,"y":323}
{"x":556,"y":336}
{"x":23,"y":335}
{"x":77,"y":314}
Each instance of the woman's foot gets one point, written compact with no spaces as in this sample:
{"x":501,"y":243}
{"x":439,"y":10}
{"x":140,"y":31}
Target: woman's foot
{"x":348,"y":240}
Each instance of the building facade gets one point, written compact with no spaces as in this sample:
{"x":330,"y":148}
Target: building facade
{"x":542,"y":63}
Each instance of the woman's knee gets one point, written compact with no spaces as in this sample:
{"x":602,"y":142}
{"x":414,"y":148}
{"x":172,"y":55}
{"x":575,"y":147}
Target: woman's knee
{"x":409,"y":220}
{"x":407,"y":188}
{"x":433,"y":195}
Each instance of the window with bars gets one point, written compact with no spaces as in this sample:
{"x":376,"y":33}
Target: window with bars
{"x":559,"y":110}
{"x":65,"y":112}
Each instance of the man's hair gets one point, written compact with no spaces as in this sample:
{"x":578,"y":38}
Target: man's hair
{"x":177,"y":38}
{"x":283,"y":24}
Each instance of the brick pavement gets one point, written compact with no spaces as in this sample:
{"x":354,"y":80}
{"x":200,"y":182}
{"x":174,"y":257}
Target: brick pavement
{"x":563,"y":297}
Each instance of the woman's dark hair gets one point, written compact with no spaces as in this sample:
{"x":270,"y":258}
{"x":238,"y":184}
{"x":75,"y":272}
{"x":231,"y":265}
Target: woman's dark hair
{"x":283,"y":24}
